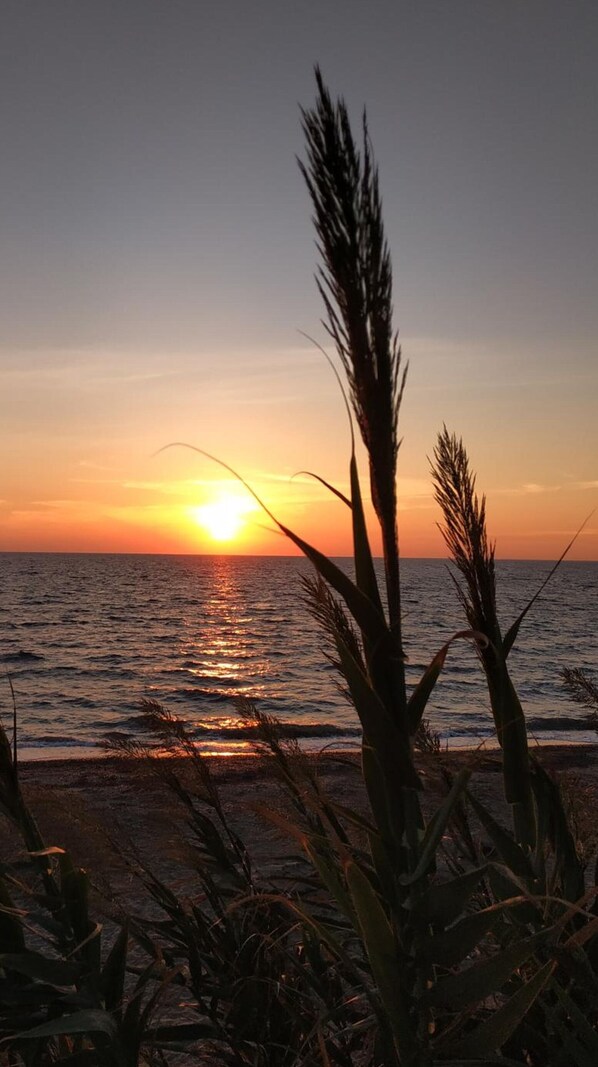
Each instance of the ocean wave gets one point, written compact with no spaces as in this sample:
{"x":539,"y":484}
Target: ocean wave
{"x":22,"y":656}
{"x":247,"y":731}
{"x":562,"y":722}
{"x":58,"y":741}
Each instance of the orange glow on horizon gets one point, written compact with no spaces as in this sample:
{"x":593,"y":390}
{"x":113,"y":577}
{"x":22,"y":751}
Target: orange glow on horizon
{"x":523,"y":527}
{"x":177,"y":504}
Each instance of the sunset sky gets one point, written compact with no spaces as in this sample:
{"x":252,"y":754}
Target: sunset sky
{"x":158,"y":258}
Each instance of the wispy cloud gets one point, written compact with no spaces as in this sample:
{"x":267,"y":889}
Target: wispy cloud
{"x":527,"y":489}
{"x":89,"y":465}
{"x":132,"y":379}
{"x":535,"y":487}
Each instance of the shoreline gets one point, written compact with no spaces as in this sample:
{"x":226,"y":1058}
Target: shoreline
{"x":489,"y":746}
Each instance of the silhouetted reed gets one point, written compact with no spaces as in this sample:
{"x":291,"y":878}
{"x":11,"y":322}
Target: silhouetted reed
{"x":409,"y":935}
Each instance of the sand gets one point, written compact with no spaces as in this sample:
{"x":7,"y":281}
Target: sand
{"x":96,"y":807}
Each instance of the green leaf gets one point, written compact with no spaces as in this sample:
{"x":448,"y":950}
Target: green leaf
{"x":495,"y":1031}
{"x":329,"y":876}
{"x":505,"y":885}
{"x":369,"y":620}
{"x":12,"y":937}
{"x":112,"y":978}
{"x":481,"y":980}
{"x":444,"y":902}
{"x":511,"y":634}
{"x":416,"y":705}
{"x":41,"y":968}
{"x":451,"y":946}
{"x":366,"y":615}
{"x":365,"y":574}
{"x":386,"y":800}
{"x":382,"y":953}
{"x":510,"y":852}
{"x":568,"y":867}
{"x":89,"y":1021}
{"x":390,"y":746}
{"x":327,"y":485}
{"x":584,"y":1030}
{"x":436,"y":827}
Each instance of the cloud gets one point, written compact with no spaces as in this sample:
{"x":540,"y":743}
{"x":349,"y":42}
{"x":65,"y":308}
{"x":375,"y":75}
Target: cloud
{"x":527,"y":489}
{"x":133,"y":379}
{"x":534,"y":487}
{"x":89,"y":465}
{"x":15,"y":508}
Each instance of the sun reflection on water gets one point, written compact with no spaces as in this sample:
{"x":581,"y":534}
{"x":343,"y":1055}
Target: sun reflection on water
{"x":222,"y":651}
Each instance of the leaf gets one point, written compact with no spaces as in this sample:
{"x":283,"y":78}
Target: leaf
{"x":416,"y":705}
{"x":481,"y":980}
{"x":495,"y":1031}
{"x":112,"y":978}
{"x":583,"y":1028}
{"x":436,"y":827}
{"x":510,"y":852}
{"x":366,"y":615}
{"x":391,"y":748}
{"x":41,"y":968}
{"x":91,"y":1020}
{"x":365,"y":574}
{"x":327,"y":485}
{"x":511,"y":634}
{"x":505,"y":886}
{"x":53,"y":850}
{"x":568,"y":867}
{"x":330,"y":877}
{"x":584,"y":934}
{"x":326,"y":1061}
{"x":12,"y":937}
{"x":444,"y":902}
{"x":381,"y":949}
{"x":452,"y":945}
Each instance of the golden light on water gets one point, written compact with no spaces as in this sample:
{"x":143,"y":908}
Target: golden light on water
{"x":224,"y":518}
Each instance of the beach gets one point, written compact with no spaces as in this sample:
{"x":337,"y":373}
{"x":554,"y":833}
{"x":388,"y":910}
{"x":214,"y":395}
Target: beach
{"x":100,"y":808}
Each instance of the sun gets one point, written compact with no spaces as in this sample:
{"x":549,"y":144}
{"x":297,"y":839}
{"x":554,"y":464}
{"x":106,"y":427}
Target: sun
{"x":224,"y":518}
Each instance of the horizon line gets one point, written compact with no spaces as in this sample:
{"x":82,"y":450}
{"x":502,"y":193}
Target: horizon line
{"x":264,"y":555}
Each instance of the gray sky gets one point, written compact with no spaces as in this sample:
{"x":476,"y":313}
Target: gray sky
{"x":153,"y":220}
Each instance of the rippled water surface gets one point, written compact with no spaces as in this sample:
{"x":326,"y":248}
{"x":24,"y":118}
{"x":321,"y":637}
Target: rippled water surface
{"x":86,"y":637}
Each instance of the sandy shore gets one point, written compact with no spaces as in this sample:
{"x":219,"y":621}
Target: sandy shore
{"x":95,"y":807}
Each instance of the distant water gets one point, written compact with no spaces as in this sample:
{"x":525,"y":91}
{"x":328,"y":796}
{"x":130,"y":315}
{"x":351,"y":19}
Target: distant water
{"x":86,"y":637}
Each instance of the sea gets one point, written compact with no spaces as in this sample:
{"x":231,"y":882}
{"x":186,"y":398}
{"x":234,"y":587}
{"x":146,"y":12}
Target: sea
{"x":84,"y":639}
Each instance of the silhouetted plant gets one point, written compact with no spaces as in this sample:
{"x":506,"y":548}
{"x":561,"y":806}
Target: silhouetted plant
{"x":582,"y":688}
{"x":436,"y":972}
{"x":404,"y":941}
{"x":61,"y":998}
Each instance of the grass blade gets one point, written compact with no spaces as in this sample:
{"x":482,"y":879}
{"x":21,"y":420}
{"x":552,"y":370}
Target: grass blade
{"x":495,"y":1031}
